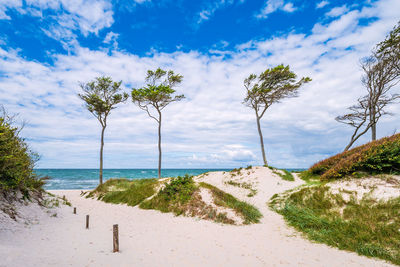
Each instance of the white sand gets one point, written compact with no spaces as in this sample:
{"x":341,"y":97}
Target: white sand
{"x":152,"y":238}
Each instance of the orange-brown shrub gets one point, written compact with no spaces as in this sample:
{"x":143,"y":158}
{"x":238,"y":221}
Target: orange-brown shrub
{"x":382,"y":155}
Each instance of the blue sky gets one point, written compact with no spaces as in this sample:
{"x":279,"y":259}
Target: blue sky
{"x":48,"y":46}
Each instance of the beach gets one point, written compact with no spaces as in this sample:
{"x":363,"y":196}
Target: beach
{"x":152,"y":238}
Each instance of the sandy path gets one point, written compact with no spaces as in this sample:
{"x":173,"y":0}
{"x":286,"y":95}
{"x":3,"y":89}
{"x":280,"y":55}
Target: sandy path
{"x":151,"y":238}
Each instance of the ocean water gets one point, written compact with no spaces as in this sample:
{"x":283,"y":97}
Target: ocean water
{"x":89,"y":178}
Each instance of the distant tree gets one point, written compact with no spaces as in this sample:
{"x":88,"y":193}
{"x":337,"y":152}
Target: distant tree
{"x":156,"y":95}
{"x":381,"y":74}
{"x":101,"y":96}
{"x":268,"y":88}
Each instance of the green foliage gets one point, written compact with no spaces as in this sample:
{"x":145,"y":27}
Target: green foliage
{"x":16,"y":161}
{"x":157,"y":93}
{"x":271,"y":86}
{"x":130,"y":192}
{"x":173,"y":196}
{"x":380,"y":156}
{"x":366,"y":226}
{"x":101,"y":96}
{"x":249,"y":213}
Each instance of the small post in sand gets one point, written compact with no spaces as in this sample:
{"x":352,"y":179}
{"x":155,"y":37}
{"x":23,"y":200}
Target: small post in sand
{"x":74,"y":210}
{"x":87,"y":221}
{"x":115,"y":238}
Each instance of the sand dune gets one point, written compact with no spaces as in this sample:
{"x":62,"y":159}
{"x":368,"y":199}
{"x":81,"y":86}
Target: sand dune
{"x":152,"y":238}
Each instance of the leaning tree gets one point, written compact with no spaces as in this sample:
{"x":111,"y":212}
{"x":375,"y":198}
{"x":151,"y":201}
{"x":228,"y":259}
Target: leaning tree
{"x":155,"y":96}
{"x":101,"y":96}
{"x":381,"y":72}
{"x":268,"y":88}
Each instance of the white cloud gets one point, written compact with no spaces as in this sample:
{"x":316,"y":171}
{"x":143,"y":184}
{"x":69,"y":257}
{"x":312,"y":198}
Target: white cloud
{"x":111,"y":38}
{"x":84,"y":16}
{"x":272,"y":6}
{"x":297,"y":132}
{"x":337,"y":11}
{"x":322,"y":4}
{"x":209,"y":11}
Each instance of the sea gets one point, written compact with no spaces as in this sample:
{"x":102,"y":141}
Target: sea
{"x":64,"y":179}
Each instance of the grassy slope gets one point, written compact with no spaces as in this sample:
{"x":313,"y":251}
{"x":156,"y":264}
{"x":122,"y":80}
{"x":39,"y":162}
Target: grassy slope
{"x":119,"y":191}
{"x":368,"y":227}
{"x":380,"y":156}
{"x":180,"y":196}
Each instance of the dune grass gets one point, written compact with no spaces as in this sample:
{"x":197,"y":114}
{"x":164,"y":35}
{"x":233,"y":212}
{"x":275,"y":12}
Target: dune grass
{"x":244,"y":185}
{"x":173,"y":196}
{"x":286,"y":175}
{"x":130,"y":192}
{"x":249,"y":213}
{"x":367,"y":226}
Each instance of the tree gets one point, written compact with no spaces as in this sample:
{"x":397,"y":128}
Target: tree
{"x":155,"y":96}
{"x":268,"y":88}
{"x":381,"y":74}
{"x":101,"y":96}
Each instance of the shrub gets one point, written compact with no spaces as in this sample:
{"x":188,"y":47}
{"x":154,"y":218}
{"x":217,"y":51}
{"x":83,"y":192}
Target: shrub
{"x":380,"y":156}
{"x":173,"y":196}
{"x":16,"y":161}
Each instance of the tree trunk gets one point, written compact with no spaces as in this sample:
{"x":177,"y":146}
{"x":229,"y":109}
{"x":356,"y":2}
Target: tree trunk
{"x":101,"y":155}
{"x":261,"y":140}
{"x":373,"y":123}
{"x":159,"y":145}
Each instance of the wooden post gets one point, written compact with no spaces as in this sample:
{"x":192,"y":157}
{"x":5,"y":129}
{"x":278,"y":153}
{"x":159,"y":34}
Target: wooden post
{"x":87,"y":221}
{"x":115,"y":238}
{"x":74,"y":210}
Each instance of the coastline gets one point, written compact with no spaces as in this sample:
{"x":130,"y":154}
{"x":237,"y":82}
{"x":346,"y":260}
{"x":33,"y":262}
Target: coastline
{"x":152,"y":238}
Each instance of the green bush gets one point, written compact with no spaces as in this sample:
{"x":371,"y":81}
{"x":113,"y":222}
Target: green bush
{"x":173,"y":196}
{"x":380,"y":156}
{"x":16,"y":161}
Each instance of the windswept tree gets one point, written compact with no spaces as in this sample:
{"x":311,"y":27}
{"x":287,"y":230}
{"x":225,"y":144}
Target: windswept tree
{"x":155,"y":96}
{"x":381,"y":74}
{"x":101,"y":96}
{"x":268,"y":88}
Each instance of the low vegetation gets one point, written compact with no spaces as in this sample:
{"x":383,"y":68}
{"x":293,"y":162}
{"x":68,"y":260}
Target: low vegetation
{"x":181,"y":196}
{"x":380,"y":156}
{"x":284,"y":174}
{"x":130,"y":192}
{"x":367,"y":226}
{"x":244,"y":185}
{"x":249,"y":213}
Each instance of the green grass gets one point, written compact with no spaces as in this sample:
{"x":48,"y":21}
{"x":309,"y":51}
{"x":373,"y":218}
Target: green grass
{"x":249,"y":213}
{"x":367,"y":227}
{"x":173,"y":196}
{"x":130,"y":192}
{"x":376,"y":157}
{"x":244,"y":185}
{"x":286,"y":175}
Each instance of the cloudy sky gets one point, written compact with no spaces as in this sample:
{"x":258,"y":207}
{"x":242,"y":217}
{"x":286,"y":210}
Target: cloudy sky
{"x":48,"y":46}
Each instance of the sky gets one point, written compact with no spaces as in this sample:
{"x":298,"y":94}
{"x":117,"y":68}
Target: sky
{"x":49,"y":47}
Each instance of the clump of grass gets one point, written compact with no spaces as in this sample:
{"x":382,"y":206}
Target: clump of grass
{"x":248,"y":167}
{"x":365,"y":226}
{"x":173,"y":196}
{"x":249,"y":213}
{"x":244,"y":185}
{"x":130,"y":192}
{"x":286,"y":175}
